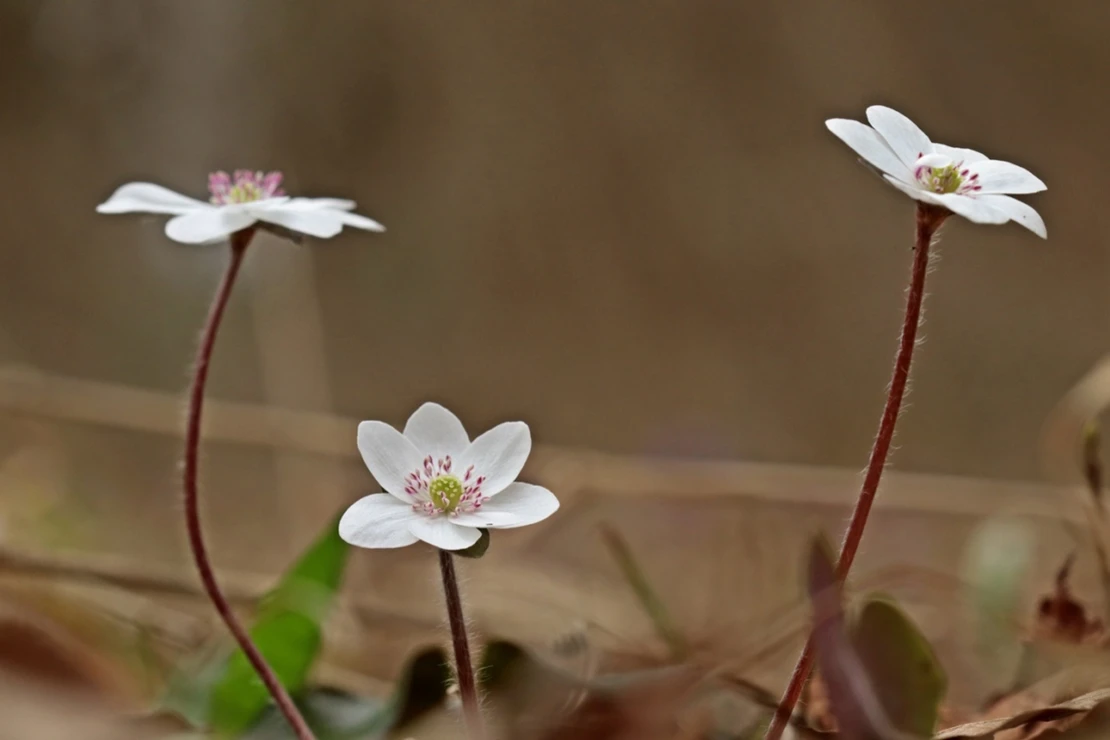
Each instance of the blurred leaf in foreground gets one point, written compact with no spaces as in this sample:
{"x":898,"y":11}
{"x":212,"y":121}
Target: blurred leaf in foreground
{"x":226,"y":695}
{"x":422,"y":688}
{"x":288,"y":631}
{"x":901,"y":665}
{"x":855,"y":700}
{"x":332,"y":715}
{"x":338,"y":715}
{"x":996,"y":566}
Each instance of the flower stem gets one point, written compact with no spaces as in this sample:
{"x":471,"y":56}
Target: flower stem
{"x":464,"y":667}
{"x":929,"y":219}
{"x":239,"y":241}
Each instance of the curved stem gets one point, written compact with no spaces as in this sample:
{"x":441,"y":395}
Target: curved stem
{"x":464,"y":666}
{"x":929,"y":219}
{"x":239,"y":241}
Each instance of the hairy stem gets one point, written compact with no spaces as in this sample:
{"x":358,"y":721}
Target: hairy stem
{"x":239,"y":241}
{"x":464,"y":666}
{"x":929,"y":219}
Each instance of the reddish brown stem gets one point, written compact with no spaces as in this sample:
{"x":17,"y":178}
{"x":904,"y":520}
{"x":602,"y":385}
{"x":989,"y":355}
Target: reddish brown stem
{"x":464,"y":666}
{"x":239,"y":241}
{"x":929,"y":218}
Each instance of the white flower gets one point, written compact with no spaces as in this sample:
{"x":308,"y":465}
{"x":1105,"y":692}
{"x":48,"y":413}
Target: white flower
{"x":441,"y":487}
{"x":235,"y":204}
{"x":961,"y":180}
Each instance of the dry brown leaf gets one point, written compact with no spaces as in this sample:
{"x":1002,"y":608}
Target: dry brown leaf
{"x":989,"y":727}
{"x":644,"y":708}
{"x":35,"y":649}
{"x":33,"y":711}
{"x":1015,"y":704}
{"x":1062,"y":618}
{"x":645,"y":712}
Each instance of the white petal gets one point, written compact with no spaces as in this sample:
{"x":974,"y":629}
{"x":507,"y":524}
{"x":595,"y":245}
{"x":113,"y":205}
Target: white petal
{"x":1003,"y":177}
{"x":145,"y":197}
{"x":867,"y":143}
{"x":360,"y":222}
{"x":208,"y":225}
{"x":333,"y":208}
{"x":278,"y":201}
{"x":435,"y":431}
{"x":973,"y":209}
{"x":933,"y":159}
{"x":323,"y":224}
{"x":518,"y":505}
{"x":498,"y":455}
{"x":389,"y":455}
{"x":901,"y":134}
{"x":956,"y":154}
{"x":337,"y":204}
{"x":913,"y":191}
{"x":378,"y":521}
{"x":441,"y":532}
{"x":1017,"y":211}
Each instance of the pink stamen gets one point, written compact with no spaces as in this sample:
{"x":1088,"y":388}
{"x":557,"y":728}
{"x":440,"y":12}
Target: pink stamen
{"x":418,"y":485}
{"x":243,"y":186}
{"x":219,"y":184}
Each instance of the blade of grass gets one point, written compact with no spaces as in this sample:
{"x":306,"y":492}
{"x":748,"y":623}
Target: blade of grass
{"x":653,"y":606}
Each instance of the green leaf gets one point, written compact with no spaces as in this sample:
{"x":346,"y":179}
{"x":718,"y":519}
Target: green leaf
{"x":499,"y":659}
{"x":422,"y":688}
{"x":478,"y":549}
{"x":853,"y":696}
{"x":338,"y":715}
{"x":189,"y":693}
{"x":904,"y":671}
{"x":330,"y":713}
{"x":881,"y":674}
{"x":287,"y":631}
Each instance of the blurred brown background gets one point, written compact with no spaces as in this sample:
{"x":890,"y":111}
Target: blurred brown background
{"x":622,"y":222}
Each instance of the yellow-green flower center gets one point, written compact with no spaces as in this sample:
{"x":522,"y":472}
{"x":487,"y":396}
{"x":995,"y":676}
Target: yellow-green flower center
{"x":245,"y":192}
{"x":445,"y":493}
{"x":943,"y":179}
